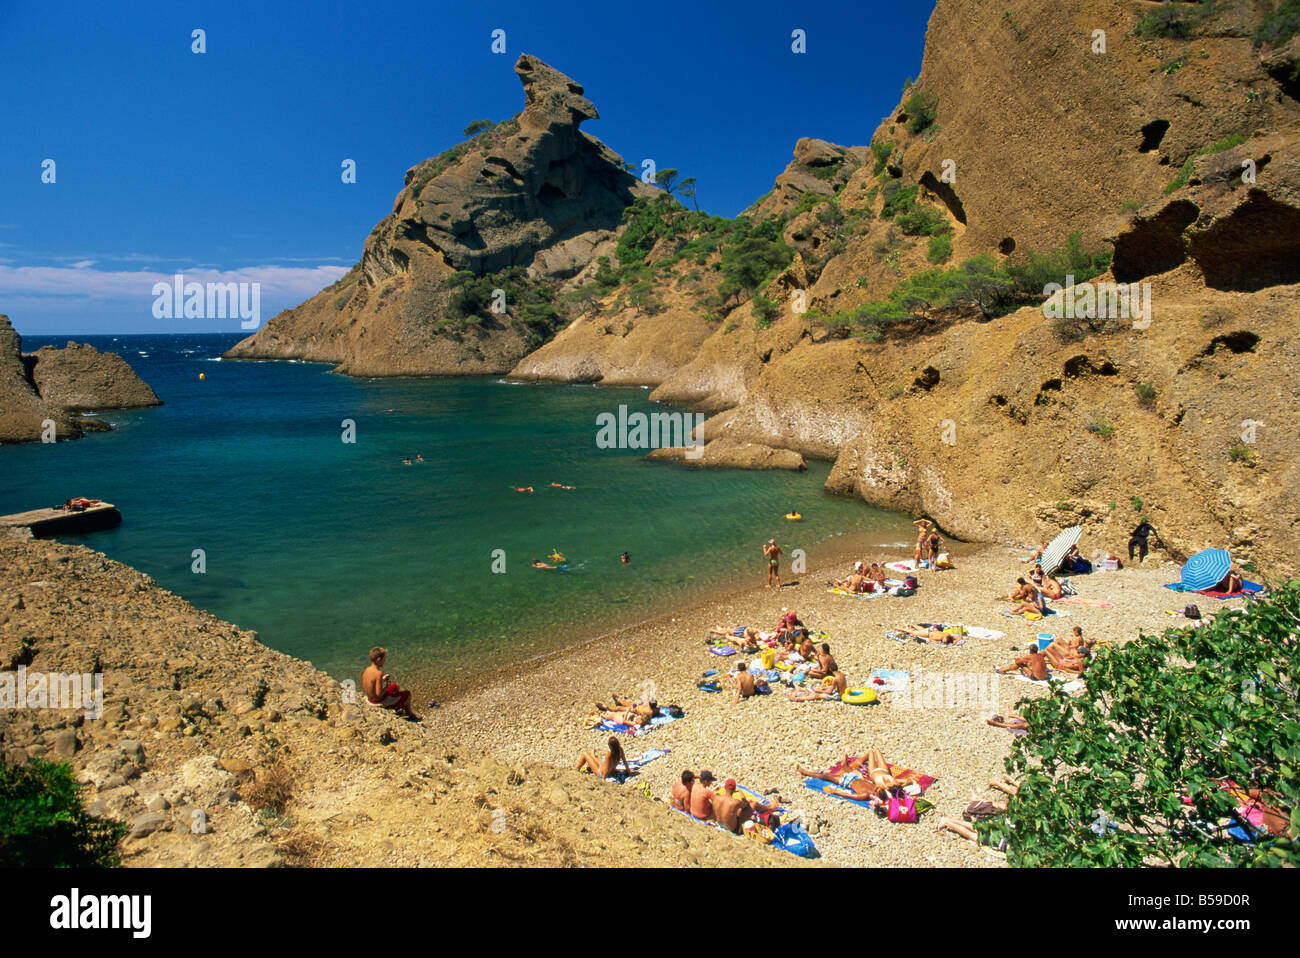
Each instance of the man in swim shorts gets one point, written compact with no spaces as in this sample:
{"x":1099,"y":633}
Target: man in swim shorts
{"x":682,"y":791}
{"x":702,"y":797}
{"x":381,"y":690}
{"x":1032,"y":664}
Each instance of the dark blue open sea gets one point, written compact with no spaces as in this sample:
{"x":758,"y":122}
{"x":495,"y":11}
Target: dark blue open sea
{"x":327,"y":548}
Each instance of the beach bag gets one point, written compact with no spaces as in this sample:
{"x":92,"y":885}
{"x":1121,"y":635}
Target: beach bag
{"x":792,"y":837}
{"x":909,"y":582}
{"x":902,"y":808}
{"x":768,"y":658}
{"x":1192,"y":612}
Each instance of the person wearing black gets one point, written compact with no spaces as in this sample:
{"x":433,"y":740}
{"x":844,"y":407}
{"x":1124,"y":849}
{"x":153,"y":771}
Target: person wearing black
{"x":1138,"y":540}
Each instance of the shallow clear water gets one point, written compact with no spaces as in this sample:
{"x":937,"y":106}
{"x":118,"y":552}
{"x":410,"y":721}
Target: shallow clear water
{"x":327,"y":548}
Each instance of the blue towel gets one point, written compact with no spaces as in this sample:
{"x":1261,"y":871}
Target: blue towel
{"x":817,"y":785}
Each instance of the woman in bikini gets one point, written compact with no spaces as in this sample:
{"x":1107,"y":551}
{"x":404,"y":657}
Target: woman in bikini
{"x":922,"y":532}
{"x":608,"y":767}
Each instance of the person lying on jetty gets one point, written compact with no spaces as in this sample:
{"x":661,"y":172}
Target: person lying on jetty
{"x":381,"y":690}
{"x":681,"y":797}
{"x":746,"y":683}
{"x":702,"y":797}
{"x":1033,"y":664}
{"x":1031,"y":600}
{"x":772,"y":553}
{"x":826,"y":664}
{"x":830,"y":688}
{"x":608,"y":767}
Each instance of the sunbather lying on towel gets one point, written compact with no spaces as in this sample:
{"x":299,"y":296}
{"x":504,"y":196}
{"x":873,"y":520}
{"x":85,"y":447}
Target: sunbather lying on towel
{"x":933,"y":632}
{"x":831,"y":687}
{"x":608,"y":766}
{"x":863,"y":779}
{"x":1011,"y":720}
{"x":624,"y":712}
{"x":744,"y":637}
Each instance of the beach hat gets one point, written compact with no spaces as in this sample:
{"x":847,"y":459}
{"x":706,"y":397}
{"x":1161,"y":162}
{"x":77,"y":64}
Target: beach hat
{"x":730,"y":783}
{"x":706,"y":776}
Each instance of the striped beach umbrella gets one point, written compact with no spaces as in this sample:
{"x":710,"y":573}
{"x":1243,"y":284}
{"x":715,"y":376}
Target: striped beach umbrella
{"x":1058,"y":547}
{"x":1206,"y":569}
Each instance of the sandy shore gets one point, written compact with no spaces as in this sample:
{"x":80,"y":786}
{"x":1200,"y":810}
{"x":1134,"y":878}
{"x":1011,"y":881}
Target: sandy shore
{"x":536,"y":713}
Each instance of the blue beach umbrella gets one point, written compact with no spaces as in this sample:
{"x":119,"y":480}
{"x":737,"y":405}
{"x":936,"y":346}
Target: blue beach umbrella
{"x":1206,"y":569}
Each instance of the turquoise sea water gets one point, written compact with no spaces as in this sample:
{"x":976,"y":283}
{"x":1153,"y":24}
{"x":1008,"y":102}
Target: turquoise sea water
{"x":327,"y":548}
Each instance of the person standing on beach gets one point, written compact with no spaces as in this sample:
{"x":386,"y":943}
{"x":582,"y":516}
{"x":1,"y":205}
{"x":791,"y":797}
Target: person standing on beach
{"x":1138,"y":540}
{"x":922,"y":531}
{"x":772,"y":553}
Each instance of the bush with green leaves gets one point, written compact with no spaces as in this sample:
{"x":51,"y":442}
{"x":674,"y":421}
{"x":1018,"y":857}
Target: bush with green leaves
{"x":940,"y":249}
{"x":1280,"y":25}
{"x":44,"y":822}
{"x":1132,"y":772}
{"x":1185,"y":174}
{"x":922,"y":108}
{"x":766,"y":311}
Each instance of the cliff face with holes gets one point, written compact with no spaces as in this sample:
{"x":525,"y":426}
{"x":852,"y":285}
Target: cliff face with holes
{"x":1012,"y":428}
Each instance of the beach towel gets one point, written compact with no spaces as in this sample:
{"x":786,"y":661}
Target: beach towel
{"x":723,"y":650}
{"x":1064,"y":613}
{"x":635,"y":731}
{"x":905,"y":565}
{"x":888,"y":680}
{"x":1247,"y":588}
{"x":1053,"y":679}
{"x":645,"y":758}
{"x":708,"y":686}
{"x":836,"y":590}
{"x":978,"y":632}
{"x":1094,"y":603}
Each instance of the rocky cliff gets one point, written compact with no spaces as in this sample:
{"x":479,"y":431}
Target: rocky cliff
{"x":883,"y":307}
{"x":520,"y":207}
{"x":54,"y":384}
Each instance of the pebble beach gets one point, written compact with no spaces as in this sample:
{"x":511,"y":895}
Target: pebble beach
{"x":535,"y":713}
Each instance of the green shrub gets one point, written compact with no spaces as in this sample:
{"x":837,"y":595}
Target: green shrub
{"x":477,"y":127}
{"x":1170,"y":21}
{"x":1136,"y":503}
{"x":1103,"y":429}
{"x":1062,"y":506}
{"x":922,"y":108}
{"x":881,"y":151}
{"x":1131,"y":771}
{"x":1280,"y":25}
{"x":894,"y":393}
{"x":766,"y":311}
{"x":1227,"y":143}
{"x":1239,"y":453}
{"x":44,"y":823}
{"x":341,"y":300}
{"x":1146,"y":394}
{"x":940,"y":249}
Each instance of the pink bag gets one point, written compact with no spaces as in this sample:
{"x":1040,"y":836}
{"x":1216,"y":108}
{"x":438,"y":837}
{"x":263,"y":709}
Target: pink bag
{"x":902,"y":808}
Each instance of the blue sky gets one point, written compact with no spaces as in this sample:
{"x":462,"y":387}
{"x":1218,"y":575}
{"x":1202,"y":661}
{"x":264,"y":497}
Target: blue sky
{"x":226,"y":165}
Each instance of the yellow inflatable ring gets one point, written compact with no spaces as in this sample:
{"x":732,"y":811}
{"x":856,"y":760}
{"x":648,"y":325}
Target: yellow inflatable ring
{"x":858,"y":696}
{"x":793,"y":516}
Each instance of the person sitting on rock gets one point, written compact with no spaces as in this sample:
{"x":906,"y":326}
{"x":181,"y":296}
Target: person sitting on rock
{"x":381,"y":690}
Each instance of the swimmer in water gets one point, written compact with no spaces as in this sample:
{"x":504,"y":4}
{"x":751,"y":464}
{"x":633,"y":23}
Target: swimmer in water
{"x":559,"y":485}
{"x":406,"y":461}
{"x":419,"y":458}
{"x":626,"y":559}
{"x":539,"y":564}
{"x":523,"y":489}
